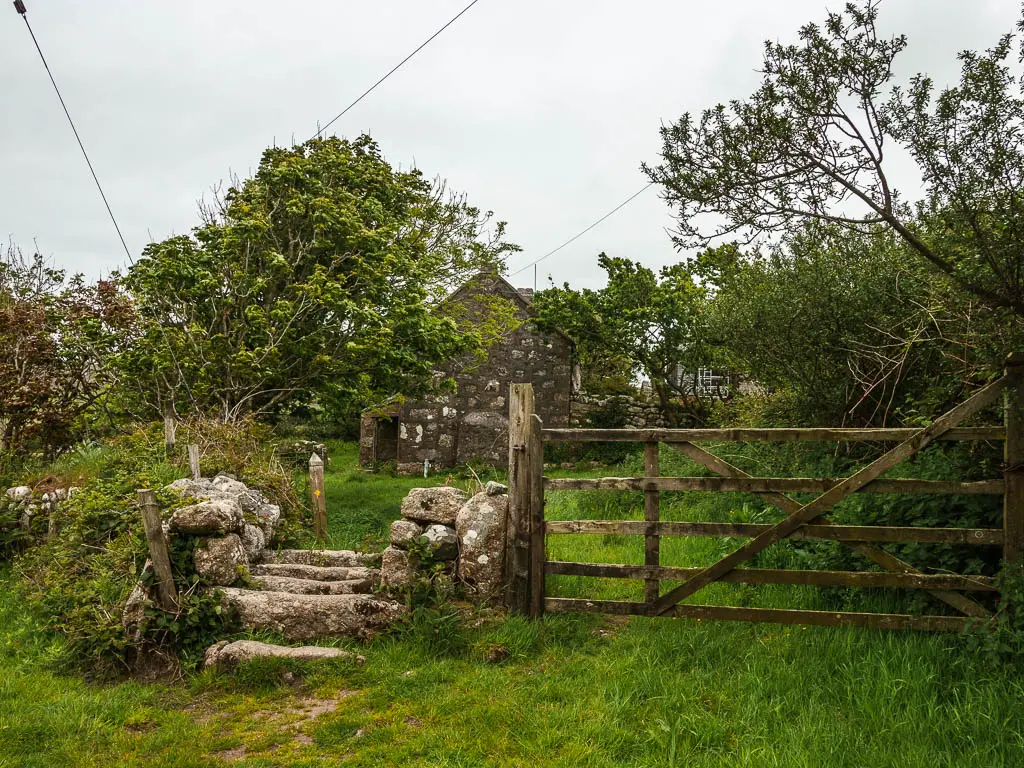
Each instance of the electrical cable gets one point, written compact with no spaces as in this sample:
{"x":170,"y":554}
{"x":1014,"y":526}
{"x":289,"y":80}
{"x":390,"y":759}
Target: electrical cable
{"x":578,"y":235}
{"x":394,"y":69}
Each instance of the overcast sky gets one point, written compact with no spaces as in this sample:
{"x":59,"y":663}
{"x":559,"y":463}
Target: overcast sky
{"x":541,"y":111}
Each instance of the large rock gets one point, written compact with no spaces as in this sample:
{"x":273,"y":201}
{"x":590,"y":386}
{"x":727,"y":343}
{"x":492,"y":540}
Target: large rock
{"x":480,"y":526}
{"x":228,"y":485}
{"x":433,"y":505}
{"x":19,"y":493}
{"x":317,"y":572}
{"x":397,"y":568}
{"x":313,"y":586}
{"x":253,"y":542}
{"x":208,"y":518}
{"x":218,"y":560}
{"x":305,"y":617}
{"x":443,"y":542}
{"x":267,"y":516}
{"x":405,"y":533}
{"x":225,"y":655}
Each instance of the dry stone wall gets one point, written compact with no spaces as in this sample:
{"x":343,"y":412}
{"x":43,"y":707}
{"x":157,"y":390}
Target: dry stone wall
{"x":635,"y":412}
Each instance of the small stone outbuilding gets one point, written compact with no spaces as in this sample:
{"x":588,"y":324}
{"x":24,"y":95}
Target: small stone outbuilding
{"x":471,"y":423}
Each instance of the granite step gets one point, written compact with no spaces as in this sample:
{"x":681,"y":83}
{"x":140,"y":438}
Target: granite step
{"x":326,"y":558}
{"x":307,"y":617}
{"x":314,"y":586}
{"x":315,"y":572}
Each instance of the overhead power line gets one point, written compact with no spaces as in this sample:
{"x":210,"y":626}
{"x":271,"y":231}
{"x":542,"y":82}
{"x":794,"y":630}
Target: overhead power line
{"x":19,"y":6}
{"x":578,"y":235}
{"x":394,"y":69}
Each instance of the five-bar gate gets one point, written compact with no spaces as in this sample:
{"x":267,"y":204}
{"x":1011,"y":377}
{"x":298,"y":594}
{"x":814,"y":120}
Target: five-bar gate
{"x":526,"y":552}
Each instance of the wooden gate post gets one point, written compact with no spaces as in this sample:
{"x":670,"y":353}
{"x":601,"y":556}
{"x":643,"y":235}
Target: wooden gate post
{"x":517,"y":532}
{"x":317,"y":496}
{"x":167,"y":595}
{"x":535,"y":453}
{"x":1013,"y":456}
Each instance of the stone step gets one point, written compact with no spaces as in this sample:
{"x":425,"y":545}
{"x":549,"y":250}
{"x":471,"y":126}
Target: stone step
{"x":327,"y":558}
{"x":315,"y":572}
{"x":313,"y":586}
{"x":306,"y":617}
{"x":227,"y":655}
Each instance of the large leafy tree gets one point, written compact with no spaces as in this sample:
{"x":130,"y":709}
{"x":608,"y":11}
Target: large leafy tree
{"x":645,"y":323}
{"x":57,"y":336}
{"x":316,"y":279}
{"x":814,"y":141}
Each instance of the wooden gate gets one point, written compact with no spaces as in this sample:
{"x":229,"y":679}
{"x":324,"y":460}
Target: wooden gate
{"x":528,"y":564}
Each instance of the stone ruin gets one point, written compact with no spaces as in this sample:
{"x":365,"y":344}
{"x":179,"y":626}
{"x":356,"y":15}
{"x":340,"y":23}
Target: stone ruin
{"x":28,"y":504}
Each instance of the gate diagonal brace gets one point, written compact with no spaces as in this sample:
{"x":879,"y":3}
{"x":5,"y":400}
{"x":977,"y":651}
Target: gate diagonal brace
{"x":980,"y":400}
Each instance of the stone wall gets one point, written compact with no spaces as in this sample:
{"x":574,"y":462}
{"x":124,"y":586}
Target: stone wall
{"x":638,"y":413}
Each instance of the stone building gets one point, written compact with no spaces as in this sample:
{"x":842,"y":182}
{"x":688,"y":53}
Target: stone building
{"x":471,"y":423}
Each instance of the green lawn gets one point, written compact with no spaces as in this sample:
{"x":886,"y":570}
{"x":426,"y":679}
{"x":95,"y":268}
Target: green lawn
{"x":570,"y":691}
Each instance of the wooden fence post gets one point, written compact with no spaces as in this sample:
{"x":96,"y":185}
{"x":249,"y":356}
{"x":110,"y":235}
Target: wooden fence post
{"x":652,"y":514}
{"x":538,"y":554}
{"x":170,"y":430}
{"x":1013,"y":455}
{"x":517,"y":542}
{"x":316,"y":490}
{"x":167,"y":595}
{"x":193,"y":461}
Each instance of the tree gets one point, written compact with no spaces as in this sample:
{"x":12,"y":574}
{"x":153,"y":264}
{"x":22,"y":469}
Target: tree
{"x":656,"y":323}
{"x":57,"y":337}
{"x":811,"y":144}
{"x":316,"y":280}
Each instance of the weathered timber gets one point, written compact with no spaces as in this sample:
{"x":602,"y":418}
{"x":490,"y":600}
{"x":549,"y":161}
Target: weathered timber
{"x":535,"y":447}
{"x":517,"y":541}
{"x":882,"y":534}
{"x":652,"y":514}
{"x":166,"y":593}
{"x":769,"y":484}
{"x":977,"y":402}
{"x":318,"y":496}
{"x":1013,"y":456}
{"x":773,"y":615}
{"x":170,"y":431}
{"x":745,"y":435}
{"x":193,"y":461}
{"x":875,"y":554}
{"x":776,"y":576}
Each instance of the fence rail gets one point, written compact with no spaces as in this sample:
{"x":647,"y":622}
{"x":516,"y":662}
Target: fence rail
{"x":528,"y":528}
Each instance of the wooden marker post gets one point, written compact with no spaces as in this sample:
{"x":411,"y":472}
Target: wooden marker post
{"x":167,"y":595}
{"x":316,"y":491}
{"x":170,"y":430}
{"x":193,"y":461}
{"x":1013,"y":455}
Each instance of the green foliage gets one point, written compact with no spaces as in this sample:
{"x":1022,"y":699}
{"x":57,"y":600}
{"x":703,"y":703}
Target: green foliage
{"x":308,"y":284}
{"x":644,"y":323}
{"x":812,"y":144}
{"x":1000,"y":641}
{"x":57,"y":334}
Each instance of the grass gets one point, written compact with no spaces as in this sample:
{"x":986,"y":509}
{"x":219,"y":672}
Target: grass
{"x":569,"y":691}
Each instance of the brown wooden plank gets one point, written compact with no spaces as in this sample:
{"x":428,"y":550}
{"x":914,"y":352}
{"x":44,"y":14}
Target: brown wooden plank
{"x":882,"y":534}
{"x":537,"y":555}
{"x":652,"y":514}
{"x":517,"y":541}
{"x":159,"y":556}
{"x":745,"y":435}
{"x":779,"y":576}
{"x":872,"y":552}
{"x":768,"y":485}
{"x":772,"y":615}
{"x":1013,"y":456}
{"x":977,"y":402}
